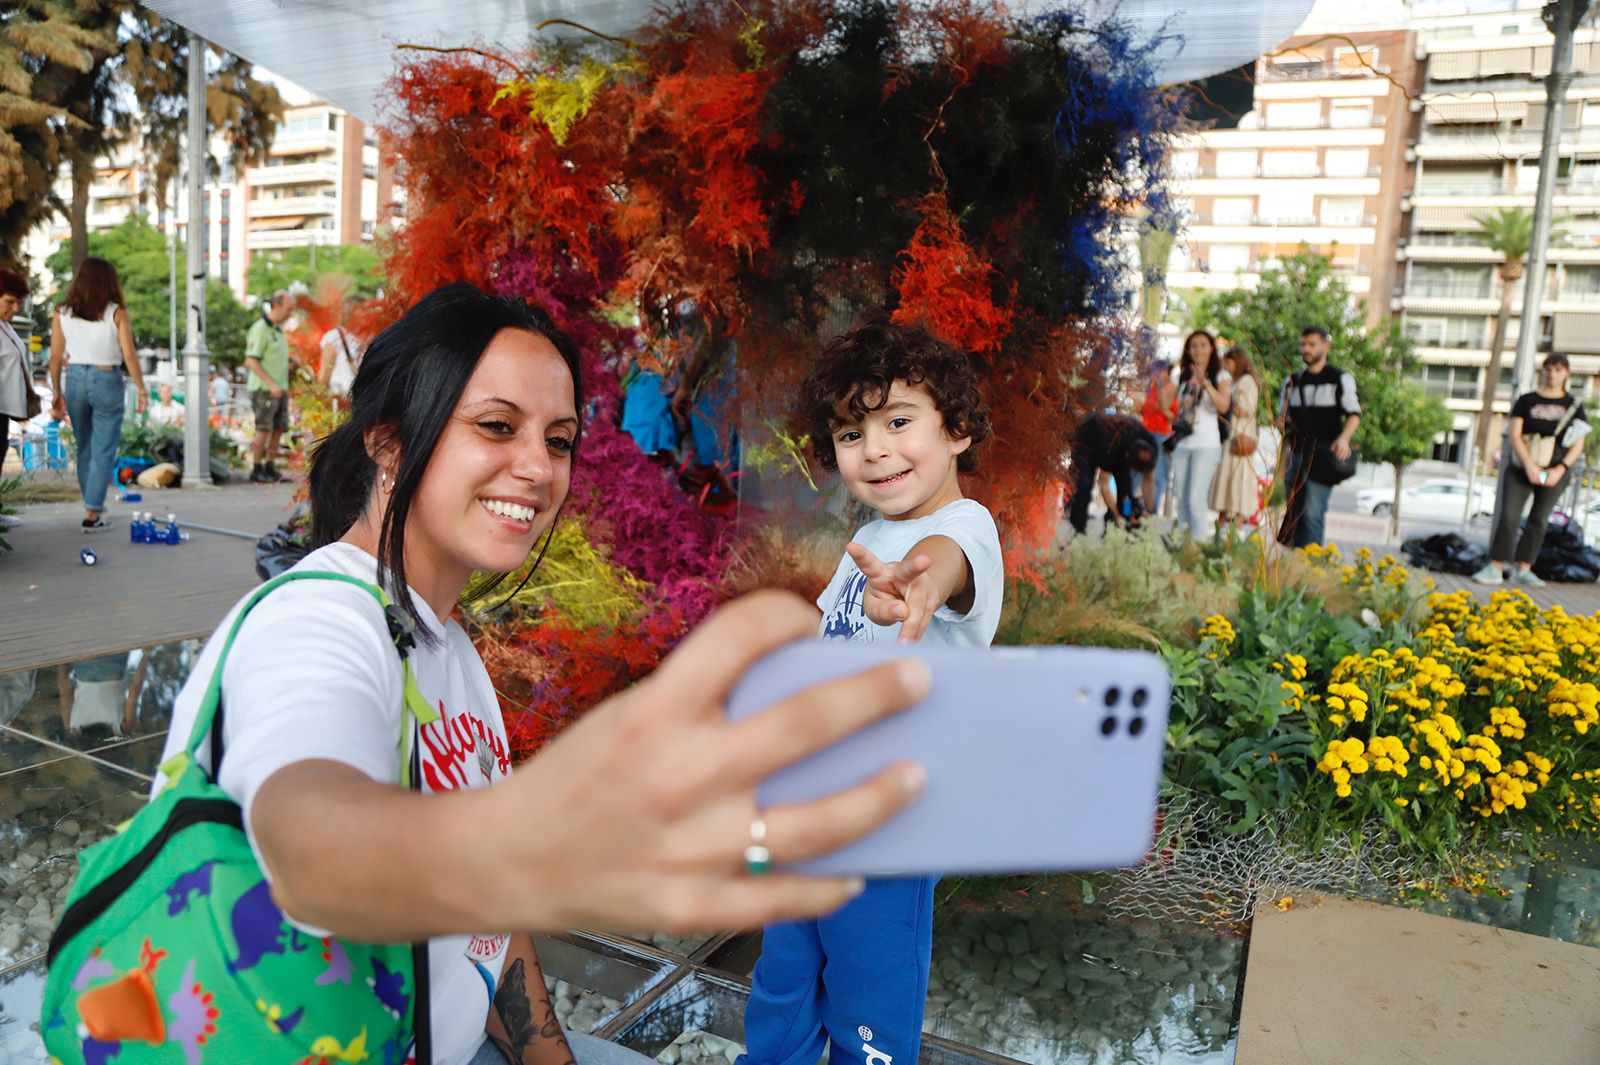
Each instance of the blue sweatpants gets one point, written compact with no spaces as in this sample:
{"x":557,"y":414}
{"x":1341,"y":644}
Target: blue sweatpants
{"x":857,"y":979}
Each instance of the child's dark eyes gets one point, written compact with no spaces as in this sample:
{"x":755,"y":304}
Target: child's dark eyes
{"x":899,"y":423}
{"x":849,"y":436}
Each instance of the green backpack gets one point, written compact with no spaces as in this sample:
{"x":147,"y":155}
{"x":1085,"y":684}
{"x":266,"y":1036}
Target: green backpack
{"x":171,"y":948}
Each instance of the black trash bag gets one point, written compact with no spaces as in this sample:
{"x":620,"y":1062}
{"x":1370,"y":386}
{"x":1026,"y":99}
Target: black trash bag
{"x":1565,"y":557}
{"x":1445,"y":553}
{"x":284,"y":546}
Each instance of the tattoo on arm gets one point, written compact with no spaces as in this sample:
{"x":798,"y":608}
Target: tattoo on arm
{"x":516,"y":1012}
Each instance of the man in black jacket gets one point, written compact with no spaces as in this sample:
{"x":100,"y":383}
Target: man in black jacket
{"x":1115,"y":443}
{"x":1318,"y":414}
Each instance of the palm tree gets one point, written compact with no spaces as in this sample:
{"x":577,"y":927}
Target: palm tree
{"x":1508,"y":232}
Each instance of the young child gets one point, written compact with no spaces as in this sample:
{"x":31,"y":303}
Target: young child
{"x":897,"y":413}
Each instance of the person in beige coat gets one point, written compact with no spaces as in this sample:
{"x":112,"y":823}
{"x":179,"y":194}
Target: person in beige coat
{"x":1235,"y":490}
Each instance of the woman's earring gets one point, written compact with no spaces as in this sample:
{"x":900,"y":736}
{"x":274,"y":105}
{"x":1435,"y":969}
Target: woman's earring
{"x":383,"y":481}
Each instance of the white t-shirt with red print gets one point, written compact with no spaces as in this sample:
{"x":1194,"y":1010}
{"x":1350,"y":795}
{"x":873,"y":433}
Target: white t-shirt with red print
{"x":313,"y":674}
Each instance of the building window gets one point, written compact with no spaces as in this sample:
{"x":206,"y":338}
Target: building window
{"x":1232,"y":211}
{"x":1236,"y":164}
{"x":1346,"y":162}
{"x":1229,"y":258}
{"x":1343,"y":211}
{"x":1295,"y":115}
{"x":1289,"y":164}
{"x":1447,"y":331}
{"x":1452,"y":382}
{"x":1355,"y":61}
{"x":1345,"y":114}
{"x":1280,"y":206}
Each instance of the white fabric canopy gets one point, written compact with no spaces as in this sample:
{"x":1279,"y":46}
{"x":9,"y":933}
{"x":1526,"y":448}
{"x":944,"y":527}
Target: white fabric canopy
{"x":344,"y":51}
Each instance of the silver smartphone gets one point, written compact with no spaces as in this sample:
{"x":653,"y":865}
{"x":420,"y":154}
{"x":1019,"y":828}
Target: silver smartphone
{"x":1039,"y":759}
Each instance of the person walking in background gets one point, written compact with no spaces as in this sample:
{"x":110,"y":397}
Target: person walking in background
{"x":1159,"y":408}
{"x":266,"y":353}
{"x":1318,"y":414}
{"x":341,"y":354}
{"x":1204,"y":398}
{"x":1546,"y":434}
{"x":1235,"y":492}
{"x":17,"y":399}
{"x":92,"y":337}
{"x":221,"y":395}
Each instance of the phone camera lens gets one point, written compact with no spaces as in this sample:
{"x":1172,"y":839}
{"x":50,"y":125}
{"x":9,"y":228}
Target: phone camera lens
{"x":1108,"y":725}
{"x":1136,"y":726}
{"x":1140,"y":697}
{"x":1113,"y":695}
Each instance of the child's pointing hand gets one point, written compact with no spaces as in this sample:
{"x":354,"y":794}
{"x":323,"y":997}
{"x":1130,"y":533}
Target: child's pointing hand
{"x":898,"y":592}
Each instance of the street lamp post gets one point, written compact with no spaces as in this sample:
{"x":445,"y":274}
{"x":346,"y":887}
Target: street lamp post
{"x":196,"y":424}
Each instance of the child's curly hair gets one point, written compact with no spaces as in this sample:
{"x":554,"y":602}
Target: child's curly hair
{"x":861,"y":365}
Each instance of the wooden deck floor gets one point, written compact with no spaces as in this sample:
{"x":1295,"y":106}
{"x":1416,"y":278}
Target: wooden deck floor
{"x":55,"y":609}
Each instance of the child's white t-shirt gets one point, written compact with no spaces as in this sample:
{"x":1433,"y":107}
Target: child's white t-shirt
{"x":314,"y":674}
{"x":965,"y":521}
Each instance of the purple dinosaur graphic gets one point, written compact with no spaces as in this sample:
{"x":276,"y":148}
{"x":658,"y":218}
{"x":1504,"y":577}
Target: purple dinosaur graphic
{"x":197,"y":881}
{"x":339,"y":969}
{"x":92,"y":969}
{"x":390,"y":988}
{"x":98,"y":1053}
{"x":193,"y":1016}
{"x":258,"y":927}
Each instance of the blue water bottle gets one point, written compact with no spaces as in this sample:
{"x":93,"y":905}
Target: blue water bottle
{"x":133,"y":528}
{"x":147,"y":527}
{"x":172,"y":536}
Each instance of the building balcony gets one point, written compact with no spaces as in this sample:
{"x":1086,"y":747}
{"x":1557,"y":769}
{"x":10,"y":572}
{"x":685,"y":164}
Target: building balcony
{"x":296,"y":174}
{"x":1326,"y":122}
{"x":301,"y":142}
{"x":1345,"y":221}
{"x":1316,"y":72}
{"x":1467,"y":290}
{"x":110,"y":190}
{"x":272,"y":239}
{"x":283,"y":206}
{"x":1264,"y":172}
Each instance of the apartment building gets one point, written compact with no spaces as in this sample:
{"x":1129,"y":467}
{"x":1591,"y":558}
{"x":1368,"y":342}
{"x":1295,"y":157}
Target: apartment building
{"x":323,"y":182}
{"x":1476,"y":150}
{"x":1320,"y":161}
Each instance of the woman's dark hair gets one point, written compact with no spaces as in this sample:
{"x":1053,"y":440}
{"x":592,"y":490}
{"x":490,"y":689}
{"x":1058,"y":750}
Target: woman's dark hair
{"x":1211,"y":365}
{"x":407,"y":387}
{"x":13,"y":284}
{"x":94,"y":287}
{"x":1557,"y":359}
{"x":858,"y":368}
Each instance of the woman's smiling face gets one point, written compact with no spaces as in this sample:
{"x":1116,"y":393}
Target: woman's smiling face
{"x":502,"y":466}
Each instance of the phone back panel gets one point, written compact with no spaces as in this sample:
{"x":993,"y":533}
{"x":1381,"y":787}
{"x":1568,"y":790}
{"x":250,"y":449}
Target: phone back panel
{"x":1039,"y":759}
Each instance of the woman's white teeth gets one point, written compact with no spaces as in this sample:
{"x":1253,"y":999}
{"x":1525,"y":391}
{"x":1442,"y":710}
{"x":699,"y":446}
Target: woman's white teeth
{"x":509,"y":510}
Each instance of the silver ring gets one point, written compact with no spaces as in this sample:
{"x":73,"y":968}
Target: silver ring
{"x":757,"y":858}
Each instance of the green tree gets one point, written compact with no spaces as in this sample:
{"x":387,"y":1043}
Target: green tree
{"x":309,"y":266}
{"x":1508,"y":232}
{"x":1399,"y":419}
{"x":139,"y":252}
{"x":78,"y":77}
{"x":227,"y":321}
{"x":49,"y":49}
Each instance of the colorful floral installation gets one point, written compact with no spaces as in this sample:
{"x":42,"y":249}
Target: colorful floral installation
{"x":788,"y":169}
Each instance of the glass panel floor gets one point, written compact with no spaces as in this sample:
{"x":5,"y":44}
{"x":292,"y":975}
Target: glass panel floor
{"x":1023,"y":970}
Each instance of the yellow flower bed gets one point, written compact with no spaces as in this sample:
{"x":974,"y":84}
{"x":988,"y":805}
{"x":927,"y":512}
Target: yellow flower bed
{"x":1489,"y":715}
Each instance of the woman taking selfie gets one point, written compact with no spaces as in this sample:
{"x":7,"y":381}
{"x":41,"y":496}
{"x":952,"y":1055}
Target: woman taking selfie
{"x":457,"y":456}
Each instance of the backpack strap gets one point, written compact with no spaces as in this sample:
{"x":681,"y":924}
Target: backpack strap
{"x":415,"y":710}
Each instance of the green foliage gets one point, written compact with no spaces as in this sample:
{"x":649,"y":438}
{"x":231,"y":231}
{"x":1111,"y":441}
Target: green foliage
{"x":1125,"y":590}
{"x":310,"y":266}
{"x":1399,"y":422}
{"x":141,"y":440}
{"x":1399,"y":419}
{"x":227,"y":322}
{"x":139,"y":252}
{"x":1509,"y":231}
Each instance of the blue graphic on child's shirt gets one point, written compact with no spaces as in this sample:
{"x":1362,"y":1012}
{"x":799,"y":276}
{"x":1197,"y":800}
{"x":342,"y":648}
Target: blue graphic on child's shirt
{"x":848,"y":620}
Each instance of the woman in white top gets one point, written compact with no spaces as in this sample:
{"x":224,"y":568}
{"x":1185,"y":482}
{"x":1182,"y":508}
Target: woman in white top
{"x":1236,"y":492}
{"x":1204,"y":396}
{"x":455,"y":460}
{"x":16,"y":383}
{"x":92,"y":336}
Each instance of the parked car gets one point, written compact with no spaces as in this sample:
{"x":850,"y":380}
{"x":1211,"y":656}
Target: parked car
{"x":1437,"y":500}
